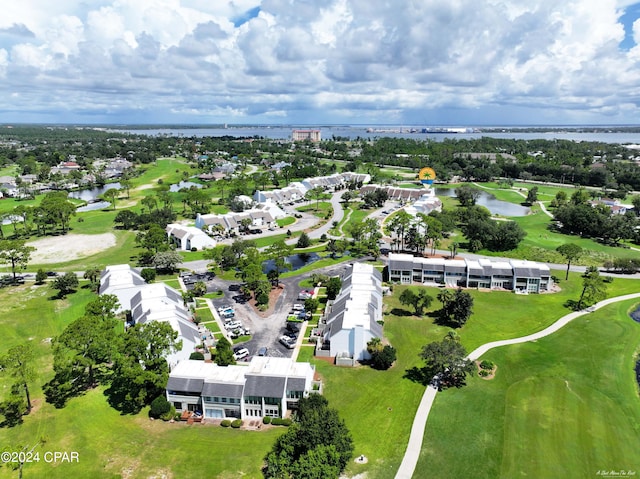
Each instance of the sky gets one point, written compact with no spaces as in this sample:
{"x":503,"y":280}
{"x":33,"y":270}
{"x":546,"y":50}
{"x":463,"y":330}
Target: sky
{"x":312,"y":62}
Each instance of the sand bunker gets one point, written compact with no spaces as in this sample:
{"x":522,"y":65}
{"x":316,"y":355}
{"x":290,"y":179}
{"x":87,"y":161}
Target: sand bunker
{"x":60,"y":249}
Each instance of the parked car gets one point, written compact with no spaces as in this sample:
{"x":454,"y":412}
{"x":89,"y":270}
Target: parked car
{"x":241,"y":354}
{"x":298,"y":307}
{"x":262,"y":351}
{"x":287,"y":342}
{"x":233,"y":325}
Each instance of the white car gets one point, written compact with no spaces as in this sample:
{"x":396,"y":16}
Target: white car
{"x":233,"y":325}
{"x":241,"y":354}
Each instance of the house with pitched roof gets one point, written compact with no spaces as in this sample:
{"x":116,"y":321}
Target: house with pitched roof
{"x":151,"y":302}
{"x":354,"y":317}
{"x":188,"y":237}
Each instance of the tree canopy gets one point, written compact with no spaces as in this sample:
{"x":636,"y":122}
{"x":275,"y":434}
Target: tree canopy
{"x":316,"y":445}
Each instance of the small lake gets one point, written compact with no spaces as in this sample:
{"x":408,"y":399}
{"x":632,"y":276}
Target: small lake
{"x":183,"y":184}
{"x":636,"y":315}
{"x":296,"y":261}
{"x":495,"y":206}
{"x":97,"y":205}
{"x":91,"y":194}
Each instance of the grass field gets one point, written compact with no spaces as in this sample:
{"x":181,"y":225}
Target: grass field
{"x":563,"y":406}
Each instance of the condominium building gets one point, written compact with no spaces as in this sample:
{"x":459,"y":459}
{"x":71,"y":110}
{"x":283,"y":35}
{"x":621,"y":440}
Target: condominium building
{"x":268,"y":386}
{"x":515,"y":275}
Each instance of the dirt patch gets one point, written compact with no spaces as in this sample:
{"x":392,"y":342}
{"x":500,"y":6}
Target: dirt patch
{"x":60,"y":249}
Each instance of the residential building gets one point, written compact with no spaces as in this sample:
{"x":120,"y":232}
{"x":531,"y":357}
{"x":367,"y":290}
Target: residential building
{"x":296,"y":191}
{"x":151,"y":302}
{"x":231,"y":223}
{"x":302,"y":135}
{"x":268,"y":386}
{"x":354,"y":317}
{"x":515,"y":275}
{"x":188,"y":237}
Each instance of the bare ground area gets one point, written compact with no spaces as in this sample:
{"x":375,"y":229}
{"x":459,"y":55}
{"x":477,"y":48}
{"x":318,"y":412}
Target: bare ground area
{"x":59,"y":249}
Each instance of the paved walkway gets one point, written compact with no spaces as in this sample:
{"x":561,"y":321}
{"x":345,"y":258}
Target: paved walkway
{"x":414,"y":447}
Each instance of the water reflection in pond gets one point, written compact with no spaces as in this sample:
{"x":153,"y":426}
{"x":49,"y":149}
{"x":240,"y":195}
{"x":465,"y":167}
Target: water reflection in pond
{"x":91,"y":194}
{"x":495,"y":206}
{"x":183,"y":184}
{"x":296,"y":261}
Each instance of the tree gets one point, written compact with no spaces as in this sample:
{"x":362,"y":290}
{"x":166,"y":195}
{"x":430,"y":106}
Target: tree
{"x":316,"y":194}
{"x":65,"y":284}
{"x":333,"y":287}
{"x":111,"y":195}
{"x":457,"y":307}
{"x":154,"y":239}
{"x":447,"y":361}
{"x":148,"y":274}
{"x":594,"y":288}
{"x":382,"y":357}
{"x":418,"y":299}
{"x":224,"y":353}
{"x":311,"y":305}
{"x":18,"y":363}
{"x":104,"y":306}
{"x":166,"y":260}
{"x":635,"y":201}
{"x":532,"y":195}
{"x":303,"y":241}
{"x":278,"y":252}
{"x":467,"y":196}
{"x":316,"y":445}
{"x":140,"y":371}
{"x":571,"y":252}
{"x":16,"y":253}
{"x":41,"y":276}
{"x":85,"y":345}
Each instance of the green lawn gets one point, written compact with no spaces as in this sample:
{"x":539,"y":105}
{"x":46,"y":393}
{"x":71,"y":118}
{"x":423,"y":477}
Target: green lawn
{"x":113,"y":445}
{"x":563,"y":406}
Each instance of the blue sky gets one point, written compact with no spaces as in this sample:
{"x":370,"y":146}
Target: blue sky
{"x":411,"y":62}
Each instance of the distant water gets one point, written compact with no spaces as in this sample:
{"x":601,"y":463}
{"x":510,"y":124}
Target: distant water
{"x":352,"y":132}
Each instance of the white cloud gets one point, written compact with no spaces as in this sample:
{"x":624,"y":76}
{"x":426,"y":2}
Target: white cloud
{"x":306,"y":59}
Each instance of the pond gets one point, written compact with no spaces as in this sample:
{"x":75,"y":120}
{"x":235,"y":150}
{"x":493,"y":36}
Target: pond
{"x":93,"y":206}
{"x":636,"y":315}
{"x":296,"y":261}
{"x":495,"y":206}
{"x":183,"y":184}
{"x":92,"y":194}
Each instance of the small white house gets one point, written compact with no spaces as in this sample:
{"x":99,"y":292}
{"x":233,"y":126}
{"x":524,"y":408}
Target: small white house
{"x":189,"y":237}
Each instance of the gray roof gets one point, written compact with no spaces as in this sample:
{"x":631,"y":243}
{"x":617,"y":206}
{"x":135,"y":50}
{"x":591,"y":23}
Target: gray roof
{"x":295,"y":384}
{"x":526,"y":272}
{"x":193,"y":385}
{"x":222,"y":390}
{"x":502,"y":271}
{"x":455,"y":269}
{"x":261,"y":386}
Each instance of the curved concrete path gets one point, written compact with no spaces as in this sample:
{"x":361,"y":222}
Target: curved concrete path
{"x":414,"y":447}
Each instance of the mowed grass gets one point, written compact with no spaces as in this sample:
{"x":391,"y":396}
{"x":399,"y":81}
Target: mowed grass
{"x":564,"y":406}
{"x":112,"y":445}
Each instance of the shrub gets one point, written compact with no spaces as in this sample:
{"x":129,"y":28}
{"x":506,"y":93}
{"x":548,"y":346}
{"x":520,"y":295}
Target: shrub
{"x":177,"y":417}
{"x":276,"y":421}
{"x":168,"y":415}
{"x":41,"y":276}
{"x":197,"y":355}
{"x":266,"y":420}
{"x":486,"y":365}
{"x":159,"y":407}
{"x":286,"y":422}
{"x":484,"y":372}
{"x":225,"y":423}
{"x":194,"y":249}
{"x":236,"y":423}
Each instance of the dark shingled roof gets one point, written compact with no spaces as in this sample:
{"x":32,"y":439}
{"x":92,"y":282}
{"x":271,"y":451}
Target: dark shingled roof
{"x":295,"y":384}
{"x":192,"y":385}
{"x":222,"y":390}
{"x":271,"y":387}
